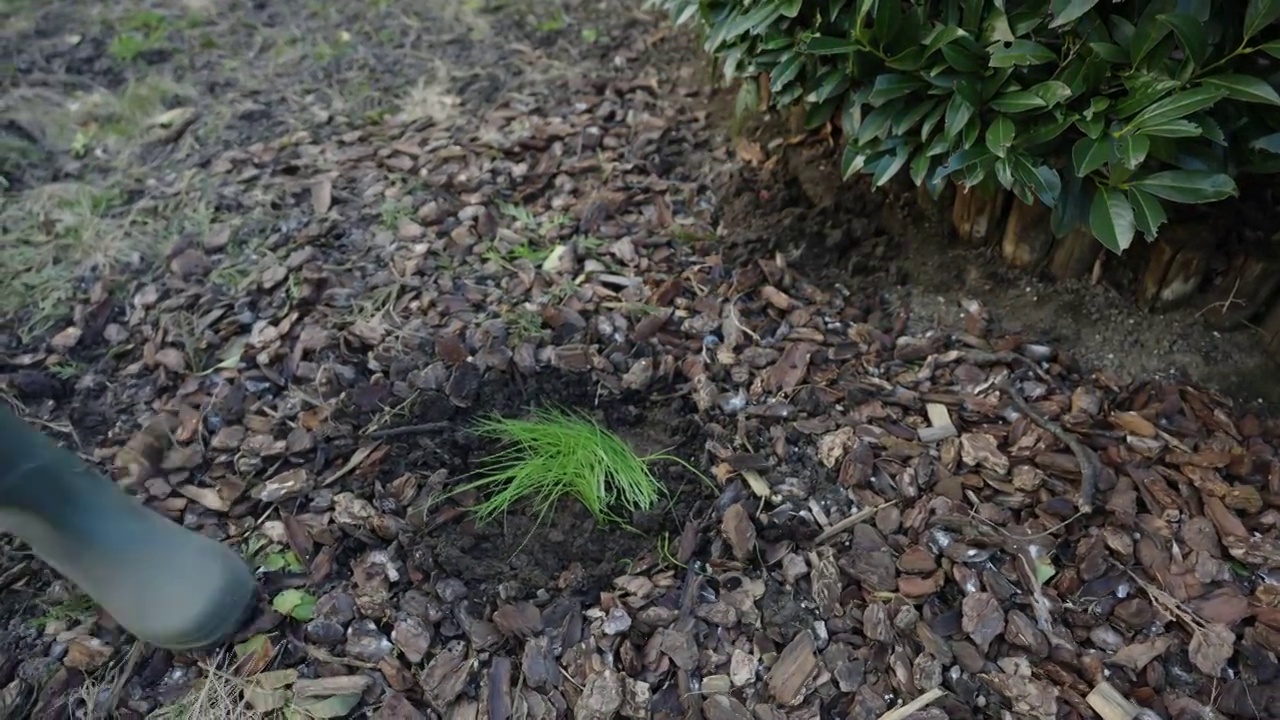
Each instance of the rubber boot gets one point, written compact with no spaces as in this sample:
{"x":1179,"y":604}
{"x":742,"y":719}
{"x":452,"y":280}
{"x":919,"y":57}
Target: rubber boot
{"x":168,"y":585}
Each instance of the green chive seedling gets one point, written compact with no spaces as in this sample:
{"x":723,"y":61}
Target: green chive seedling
{"x":557,"y":453}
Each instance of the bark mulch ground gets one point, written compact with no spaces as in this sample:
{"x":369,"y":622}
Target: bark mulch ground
{"x":900,"y":523}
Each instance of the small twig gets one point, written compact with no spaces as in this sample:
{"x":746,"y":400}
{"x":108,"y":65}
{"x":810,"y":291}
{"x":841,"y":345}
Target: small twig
{"x":1089,"y":463}
{"x":1224,"y":304}
{"x":905,"y":711}
{"x":981,"y":359}
{"x":408,"y":430}
{"x":14,"y":574}
{"x":126,"y":673}
{"x":847,"y":523}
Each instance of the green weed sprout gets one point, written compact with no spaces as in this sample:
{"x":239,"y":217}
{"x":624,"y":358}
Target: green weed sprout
{"x":557,"y":453}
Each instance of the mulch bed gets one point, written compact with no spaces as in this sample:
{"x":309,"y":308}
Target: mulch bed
{"x":966,"y":519}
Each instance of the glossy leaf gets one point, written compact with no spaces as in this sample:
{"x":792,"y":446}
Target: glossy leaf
{"x":1089,"y":154}
{"x":1259,"y":14}
{"x":1000,"y":135}
{"x":785,"y":71}
{"x":1065,"y":11}
{"x":890,"y":166}
{"x":1269,"y":143}
{"x":1148,"y":212}
{"x":893,"y":85}
{"x":1111,"y":219}
{"x":1131,"y":150}
{"x":1245,"y":88}
{"x":1177,"y":106}
{"x":958,"y":114}
{"x":1191,"y":35}
{"x":1172,"y":129}
{"x":1020,"y":53}
{"x":822,"y":45}
{"x":1052,"y":92}
{"x":1043,"y":180}
{"x":1017,"y":101}
{"x":1188,"y":186}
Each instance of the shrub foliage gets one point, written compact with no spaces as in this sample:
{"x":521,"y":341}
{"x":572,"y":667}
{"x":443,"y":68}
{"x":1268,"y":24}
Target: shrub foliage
{"x":1107,"y":111}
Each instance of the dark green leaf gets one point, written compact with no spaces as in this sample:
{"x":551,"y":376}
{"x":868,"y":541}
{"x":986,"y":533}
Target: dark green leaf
{"x":888,"y":21}
{"x":969,"y":135}
{"x":961,"y":59}
{"x":823,"y":45}
{"x":832,"y":83}
{"x":1089,"y":154}
{"x":994,"y":82}
{"x":1042,"y":180}
{"x":851,"y":160}
{"x":1004,"y":176}
{"x":785,"y":71}
{"x":1020,"y":53}
{"x":919,"y":168}
{"x":1271,"y":48}
{"x":791,"y":8}
{"x":1111,"y":219}
{"x":1110,"y":52}
{"x":1122,"y":31}
{"x":931,"y":120}
{"x":890,"y":166}
{"x":1148,"y":213}
{"x":1177,"y":106}
{"x":1046,"y":131}
{"x":1270,"y":143}
{"x":1091,"y":126}
{"x":817,"y":115}
{"x":1246,"y":88}
{"x":1148,"y":32}
{"x":1191,"y":35}
{"x":1052,"y":92}
{"x":1144,"y":90}
{"x":893,"y":85}
{"x":969,"y":91}
{"x":941,"y":36}
{"x":1072,"y":210}
{"x":1211,"y":130}
{"x":958,"y":113}
{"x":1173,"y":129}
{"x":1065,"y":11}
{"x":1131,"y":149}
{"x":909,"y":59}
{"x":961,"y":160}
{"x":1260,"y":14}
{"x":875,"y":124}
{"x":996,"y":28}
{"x":904,"y":121}
{"x":1016,"y":102}
{"x":939,"y":145}
{"x":750,"y":21}
{"x":1000,"y":136}
{"x":1188,"y":186}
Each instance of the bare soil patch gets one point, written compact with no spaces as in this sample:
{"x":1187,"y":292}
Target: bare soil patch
{"x":848,"y":234}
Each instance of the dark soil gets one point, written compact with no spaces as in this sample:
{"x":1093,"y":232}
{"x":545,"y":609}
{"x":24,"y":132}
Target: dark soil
{"x":521,"y":555}
{"x":883,"y":242}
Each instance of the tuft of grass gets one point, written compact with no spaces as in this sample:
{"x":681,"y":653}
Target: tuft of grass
{"x":558,"y":453}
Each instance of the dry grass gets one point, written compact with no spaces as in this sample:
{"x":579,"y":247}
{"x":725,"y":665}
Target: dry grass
{"x":57,"y":241}
{"x":218,"y":696}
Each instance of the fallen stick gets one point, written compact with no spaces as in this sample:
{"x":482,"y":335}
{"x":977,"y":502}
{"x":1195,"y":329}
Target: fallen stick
{"x":1089,"y":463}
{"x":904,"y":711}
{"x":1107,"y":701}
